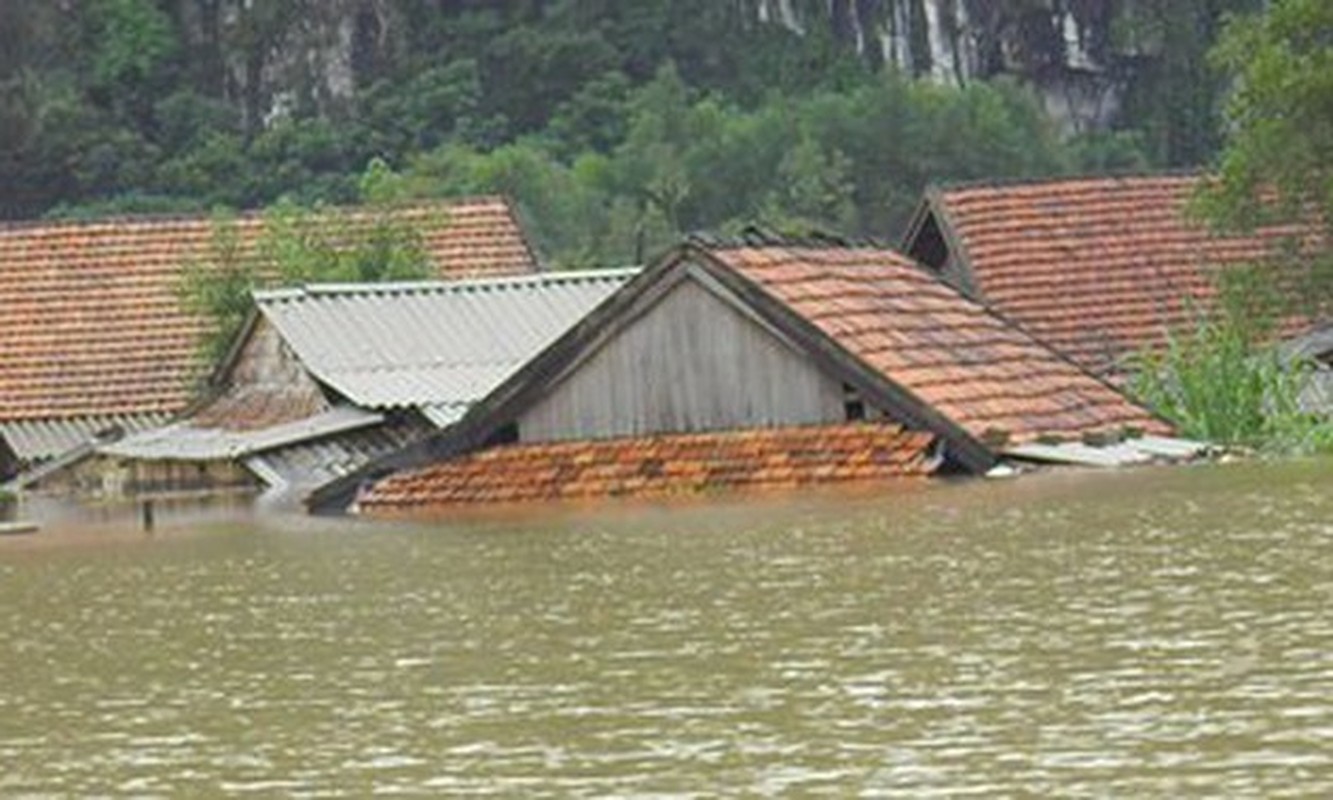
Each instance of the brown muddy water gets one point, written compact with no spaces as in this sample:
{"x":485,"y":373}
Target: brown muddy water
{"x":1147,"y":634}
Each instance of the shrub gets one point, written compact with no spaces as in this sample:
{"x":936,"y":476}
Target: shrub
{"x":1218,"y":383}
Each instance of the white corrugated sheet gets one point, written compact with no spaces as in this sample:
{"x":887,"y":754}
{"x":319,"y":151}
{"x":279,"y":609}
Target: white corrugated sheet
{"x":181,"y":441}
{"x":1126,"y":453}
{"x":435,"y":344}
{"x":38,"y":440}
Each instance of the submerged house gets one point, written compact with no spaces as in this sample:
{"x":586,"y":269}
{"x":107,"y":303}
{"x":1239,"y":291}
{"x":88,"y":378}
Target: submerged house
{"x":755,"y":363}
{"x":324,"y":378}
{"x":93,"y":335}
{"x":1098,"y":268}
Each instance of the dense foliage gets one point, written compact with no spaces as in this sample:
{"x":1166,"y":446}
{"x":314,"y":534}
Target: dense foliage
{"x":614,"y":123}
{"x":1223,"y":381}
{"x":1277,"y":166}
{"x":301,"y":245}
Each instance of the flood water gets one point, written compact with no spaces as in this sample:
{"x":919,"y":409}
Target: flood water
{"x":1152,"y":633}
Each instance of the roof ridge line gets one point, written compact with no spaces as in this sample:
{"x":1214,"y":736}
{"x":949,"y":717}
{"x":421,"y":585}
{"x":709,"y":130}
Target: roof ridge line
{"x":759,"y":236}
{"x":149,"y":217}
{"x":432,"y":286}
{"x":414,"y":367}
{"x":1112,"y":175}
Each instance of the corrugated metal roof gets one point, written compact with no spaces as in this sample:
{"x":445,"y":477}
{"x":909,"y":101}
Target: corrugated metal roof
{"x":430,"y":343}
{"x":182,"y":441}
{"x":1129,"y":452}
{"x":307,"y":464}
{"x":38,"y":440}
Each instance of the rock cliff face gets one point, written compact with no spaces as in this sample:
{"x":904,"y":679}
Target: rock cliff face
{"x":274,"y":55}
{"x":1078,"y":54}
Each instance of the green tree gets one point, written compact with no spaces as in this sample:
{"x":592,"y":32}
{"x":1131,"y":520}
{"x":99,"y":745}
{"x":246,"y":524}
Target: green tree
{"x":814,"y":189}
{"x":1277,"y":164}
{"x":1172,"y":99}
{"x":303,"y":245}
{"x":133,"y":40}
{"x":235,"y":102}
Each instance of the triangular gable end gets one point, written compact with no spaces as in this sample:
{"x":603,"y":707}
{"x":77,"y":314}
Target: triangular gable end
{"x":933,"y":241}
{"x":261,"y":383}
{"x":692,"y":359}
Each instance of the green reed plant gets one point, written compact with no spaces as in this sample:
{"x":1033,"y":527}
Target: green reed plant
{"x":1221,"y":383}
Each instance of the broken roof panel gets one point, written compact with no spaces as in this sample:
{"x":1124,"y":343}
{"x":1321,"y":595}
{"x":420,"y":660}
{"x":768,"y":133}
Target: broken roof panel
{"x":436,"y":344}
{"x":91,"y":323}
{"x":984,"y":374}
{"x":183,"y":441}
{"x":1097,"y":268}
{"x":304,"y":465}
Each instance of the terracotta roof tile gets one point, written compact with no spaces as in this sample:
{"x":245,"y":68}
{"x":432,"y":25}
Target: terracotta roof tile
{"x":781,"y":458}
{"x":90,"y":322}
{"x":985,"y":374}
{"x":1097,"y":268}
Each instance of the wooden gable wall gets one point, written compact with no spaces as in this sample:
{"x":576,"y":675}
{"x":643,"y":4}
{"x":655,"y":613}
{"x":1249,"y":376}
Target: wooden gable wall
{"x":265,"y":385}
{"x":691,"y":362}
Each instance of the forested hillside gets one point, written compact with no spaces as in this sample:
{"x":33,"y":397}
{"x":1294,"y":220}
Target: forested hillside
{"x":615,"y":123}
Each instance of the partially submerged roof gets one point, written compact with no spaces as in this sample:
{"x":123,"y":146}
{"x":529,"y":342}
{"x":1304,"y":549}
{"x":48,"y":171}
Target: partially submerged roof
{"x":186,"y":441}
{"x":439,"y":345}
{"x":91,"y":322}
{"x":38,"y":440}
{"x":433,"y":347}
{"x":909,"y":345}
{"x":955,"y":355}
{"x":1097,"y":268}
{"x":295,"y":469}
{"x":658,"y":466}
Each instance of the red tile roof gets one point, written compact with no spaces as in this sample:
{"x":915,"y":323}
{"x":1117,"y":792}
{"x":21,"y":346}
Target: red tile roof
{"x":1097,"y":268}
{"x":984,"y":374}
{"x":90,"y":319}
{"x":783,"y":458}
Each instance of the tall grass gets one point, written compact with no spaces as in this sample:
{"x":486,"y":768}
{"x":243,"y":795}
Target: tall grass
{"x":1219,"y":383}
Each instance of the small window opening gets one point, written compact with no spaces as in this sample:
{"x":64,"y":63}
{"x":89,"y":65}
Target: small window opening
{"x":853,"y":407}
{"x":929,"y":246}
{"x":505,"y":434}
